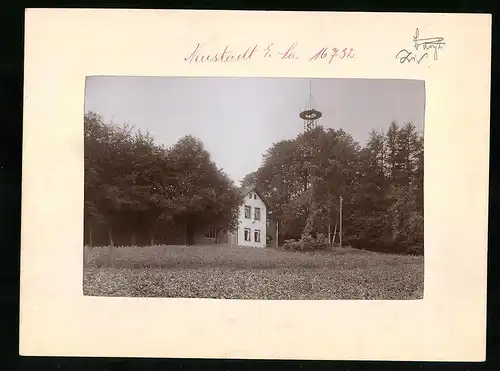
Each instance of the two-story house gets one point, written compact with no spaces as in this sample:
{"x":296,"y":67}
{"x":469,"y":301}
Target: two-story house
{"x":252,"y":221}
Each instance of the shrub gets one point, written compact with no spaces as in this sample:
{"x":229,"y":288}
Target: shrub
{"x":307,"y":242}
{"x":291,"y":245}
{"x":321,"y":242}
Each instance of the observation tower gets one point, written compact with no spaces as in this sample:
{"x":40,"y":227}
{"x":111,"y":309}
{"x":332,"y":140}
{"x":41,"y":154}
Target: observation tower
{"x":310,"y":115}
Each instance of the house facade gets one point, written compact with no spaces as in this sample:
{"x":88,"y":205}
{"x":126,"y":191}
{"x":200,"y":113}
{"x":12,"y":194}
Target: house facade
{"x":254,"y":226}
{"x":252,"y":221}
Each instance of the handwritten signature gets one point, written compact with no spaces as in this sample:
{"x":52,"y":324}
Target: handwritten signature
{"x":421,"y":45}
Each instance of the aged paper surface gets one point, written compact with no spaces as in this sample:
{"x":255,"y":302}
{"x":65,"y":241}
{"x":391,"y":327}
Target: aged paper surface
{"x":65,"y":46}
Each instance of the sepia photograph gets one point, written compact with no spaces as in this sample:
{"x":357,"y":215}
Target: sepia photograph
{"x":254,"y":188}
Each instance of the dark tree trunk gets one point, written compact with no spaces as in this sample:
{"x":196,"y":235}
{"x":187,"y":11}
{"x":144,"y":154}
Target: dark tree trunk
{"x":186,"y":233}
{"x":110,"y":236}
{"x":190,"y":239}
{"x":189,"y":234}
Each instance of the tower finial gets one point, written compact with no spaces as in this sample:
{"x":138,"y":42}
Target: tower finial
{"x":310,"y":95}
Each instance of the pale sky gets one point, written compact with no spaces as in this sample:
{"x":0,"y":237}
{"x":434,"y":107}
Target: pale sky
{"x":238,"y":119}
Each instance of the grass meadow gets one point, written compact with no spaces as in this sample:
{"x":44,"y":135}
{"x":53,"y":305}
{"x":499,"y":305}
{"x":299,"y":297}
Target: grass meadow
{"x":250,"y":273}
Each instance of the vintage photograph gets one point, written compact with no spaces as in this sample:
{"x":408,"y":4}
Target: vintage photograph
{"x":254,"y":188}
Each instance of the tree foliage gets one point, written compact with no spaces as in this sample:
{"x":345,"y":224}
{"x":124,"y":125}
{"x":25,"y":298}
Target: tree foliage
{"x":140,"y":192}
{"x":137,"y":192}
{"x":381,"y":185}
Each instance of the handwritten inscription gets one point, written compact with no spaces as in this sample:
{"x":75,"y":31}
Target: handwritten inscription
{"x":333,"y":53}
{"x":431,"y":43}
{"x":226,"y":55}
{"x":406,"y":56}
{"x":201,"y":54}
{"x":421,"y":49}
{"x":289,"y":53}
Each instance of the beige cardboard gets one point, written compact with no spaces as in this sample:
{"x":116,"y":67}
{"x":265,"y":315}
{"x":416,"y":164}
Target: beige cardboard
{"x":65,"y":46}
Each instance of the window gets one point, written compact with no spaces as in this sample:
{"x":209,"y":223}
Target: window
{"x":248,"y":211}
{"x":247,"y":234}
{"x":210,"y":233}
{"x":250,"y":195}
{"x":256,"y":235}
{"x":254,"y":197}
{"x":256,"y":213}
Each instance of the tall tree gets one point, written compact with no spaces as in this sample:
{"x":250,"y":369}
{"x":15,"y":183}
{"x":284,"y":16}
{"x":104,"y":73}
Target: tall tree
{"x":304,"y":178}
{"x":107,"y":158}
{"x":392,"y":152}
{"x":204,"y":195}
{"x":137,"y":188}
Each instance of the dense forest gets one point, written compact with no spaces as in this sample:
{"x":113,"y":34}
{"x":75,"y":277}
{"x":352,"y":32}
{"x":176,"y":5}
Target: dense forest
{"x":380,"y":183}
{"x":138,"y":193}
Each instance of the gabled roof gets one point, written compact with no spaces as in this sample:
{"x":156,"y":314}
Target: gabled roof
{"x":246,"y":190}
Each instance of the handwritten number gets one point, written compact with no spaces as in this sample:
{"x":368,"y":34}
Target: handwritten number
{"x":333,"y":53}
{"x":321,"y":54}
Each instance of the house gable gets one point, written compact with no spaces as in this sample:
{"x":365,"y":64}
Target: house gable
{"x":252,"y":219}
{"x":255,"y":191}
